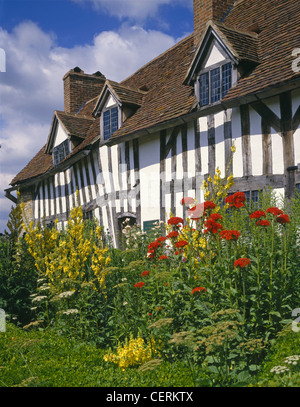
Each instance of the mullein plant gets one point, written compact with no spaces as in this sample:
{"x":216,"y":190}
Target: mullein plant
{"x":73,"y":266}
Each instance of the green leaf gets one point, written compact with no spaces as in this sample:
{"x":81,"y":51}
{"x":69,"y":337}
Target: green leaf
{"x":253,"y":368}
{"x":243,"y":376}
{"x":213,"y":369}
{"x":276,"y":313}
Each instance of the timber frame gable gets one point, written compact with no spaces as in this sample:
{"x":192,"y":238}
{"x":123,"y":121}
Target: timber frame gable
{"x":221,"y":47}
{"x":117,"y":99}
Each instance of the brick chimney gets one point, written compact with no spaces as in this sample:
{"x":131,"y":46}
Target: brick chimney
{"x":206,"y":10}
{"x":80,"y":87}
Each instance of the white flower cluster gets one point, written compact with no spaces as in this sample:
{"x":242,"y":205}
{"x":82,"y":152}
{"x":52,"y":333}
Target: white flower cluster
{"x":290,"y":360}
{"x":71,"y":311}
{"x":39,"y":298}
{"x":279,"y":369}
{"x":66,"y":294}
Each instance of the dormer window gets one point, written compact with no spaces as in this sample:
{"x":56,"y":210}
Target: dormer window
{"x":110,"y":122}
{"x":214,"y":83}
{"x":60,"y":152}
{"x":223,"y":56}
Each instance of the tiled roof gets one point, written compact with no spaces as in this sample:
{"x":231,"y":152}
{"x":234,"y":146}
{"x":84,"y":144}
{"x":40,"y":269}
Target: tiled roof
{"x":126,"y":95}
{"x":40,"y":164}
{"x":74,"y":125}
{"x":278,"y":25}
{"x":167,"y":96}
{"x":264,"y":31}
{"x":245,"y":44}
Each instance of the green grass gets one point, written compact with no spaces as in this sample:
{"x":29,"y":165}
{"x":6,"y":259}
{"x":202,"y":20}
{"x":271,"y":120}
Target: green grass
{"x":44,"y":359}
{"x":287,"y":344}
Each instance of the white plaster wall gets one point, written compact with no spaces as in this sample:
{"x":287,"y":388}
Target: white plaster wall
{"x":274,"y":105}
{"x":297,"y":146}
{"x":204,"y":144}
{"x":150,"y":178}
{"x":191,"y":158}
{"x":105,"y":173}
{"x":47,"y":213}
{"x":220,"y":145}
{"x":215,"y":57}
{"x":60,"y":136}
{"x":110,"y":102}
{"x":256,"y":143}
{"x":277,"y":153}
{"x":237,"y":139}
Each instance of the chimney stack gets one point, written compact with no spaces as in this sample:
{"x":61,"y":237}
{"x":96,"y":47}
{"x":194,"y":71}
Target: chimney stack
{"x":206,"y":10}
{"x":80,"y":87}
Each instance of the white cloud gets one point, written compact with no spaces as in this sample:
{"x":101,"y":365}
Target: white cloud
{"x":134,"y":9}
{"x":32,"y":88}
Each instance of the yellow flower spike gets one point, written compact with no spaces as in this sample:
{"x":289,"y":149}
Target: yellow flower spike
{"x":206,"y":195}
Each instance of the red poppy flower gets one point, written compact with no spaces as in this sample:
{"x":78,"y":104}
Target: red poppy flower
{"x":212,"y":226}
{"x":139,"y":285}
{"x":187,"y":201}
{"x":174,"y":233}
{"x":145,"y":273}
{"x":243,"y":262}
{"x":274,"y":211}
{"x":257,"y":215}
{"x":163,"y":257}
{"x":198,"y":290}
{"x":284,"y":218}
{"x":262,"y":222}
{"x":181,"y":243}
{"x":229,"y":234}
{"x":175,"y":220}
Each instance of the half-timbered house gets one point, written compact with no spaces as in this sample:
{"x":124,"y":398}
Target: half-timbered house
{"x":133,"y":149}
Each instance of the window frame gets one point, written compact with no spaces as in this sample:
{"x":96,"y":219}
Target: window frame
{"x":63,"y":147}
{"x":208,"y":71}
{"x":112,"y":129}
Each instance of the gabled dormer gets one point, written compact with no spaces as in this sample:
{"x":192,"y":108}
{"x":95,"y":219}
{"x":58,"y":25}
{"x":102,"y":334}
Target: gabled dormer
{"x":223,"y":56}
{"x":66,"y":133}
{"x":115,"y":104}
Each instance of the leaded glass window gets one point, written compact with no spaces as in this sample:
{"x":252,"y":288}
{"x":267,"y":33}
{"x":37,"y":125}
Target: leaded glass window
{"x":214,"y":84}
{"x":60,"y":152}
{"x":204,"y":89}
{"x":226,"y":78}
{"x":110,"y":122}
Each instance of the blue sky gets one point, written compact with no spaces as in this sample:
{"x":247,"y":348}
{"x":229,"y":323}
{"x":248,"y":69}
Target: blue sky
{"x":43,"y":39}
